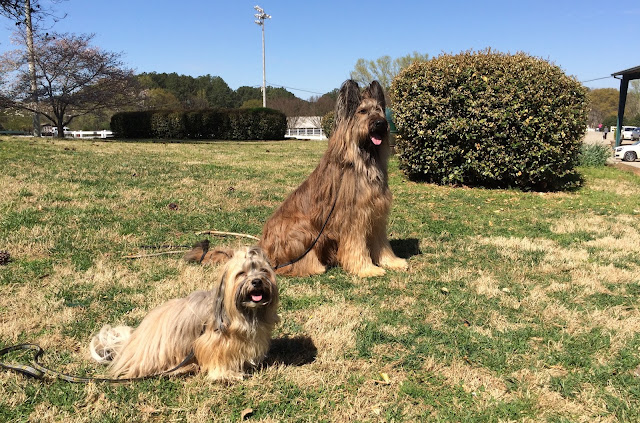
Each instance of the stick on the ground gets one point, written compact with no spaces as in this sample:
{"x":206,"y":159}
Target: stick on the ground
{"x":220,"y":233}
{"x":143,"y":255}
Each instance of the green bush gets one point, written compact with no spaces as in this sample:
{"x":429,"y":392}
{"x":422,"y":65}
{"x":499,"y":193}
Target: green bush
{"x":327,"y":123}
{"x":235,"y":124}
{"x":489,"y":119}
{"x":594,"y":155}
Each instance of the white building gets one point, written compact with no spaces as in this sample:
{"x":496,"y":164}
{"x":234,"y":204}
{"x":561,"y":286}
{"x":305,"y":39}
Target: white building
{"x":305,"y":128}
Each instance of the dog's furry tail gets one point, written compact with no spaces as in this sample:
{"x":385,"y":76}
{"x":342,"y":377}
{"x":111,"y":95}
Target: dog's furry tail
{"x":106,"y":345}
{"x":200,"y":253}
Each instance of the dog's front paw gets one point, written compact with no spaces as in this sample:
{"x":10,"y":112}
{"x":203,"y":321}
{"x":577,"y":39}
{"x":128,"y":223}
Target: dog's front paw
{"x":371,"y":271}
{"x":395,"y":263}
{"x":225,"y":375}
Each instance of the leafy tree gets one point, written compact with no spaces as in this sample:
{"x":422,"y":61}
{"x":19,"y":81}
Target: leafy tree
{"x":15,"y":120}
{"x":75,"y":79}
{"x":632,"y":107}
{"x":251,"y":104}
{"x":383,"y":69}
{"x":159,"y":98}
{"x":244,"y":94}
{"x":604,"y":103}
{"x":193,"y":93}
{"x":215,"y":92}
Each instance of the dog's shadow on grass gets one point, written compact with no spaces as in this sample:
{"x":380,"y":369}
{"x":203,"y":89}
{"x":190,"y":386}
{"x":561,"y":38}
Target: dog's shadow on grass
{"x":291,"y":351}
{"x":405,"y":248}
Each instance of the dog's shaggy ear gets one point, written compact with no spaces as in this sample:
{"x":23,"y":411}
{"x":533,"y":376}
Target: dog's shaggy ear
{"x":220,"y":314}
{"x":348,"y":101}
{"x":375,"y":91}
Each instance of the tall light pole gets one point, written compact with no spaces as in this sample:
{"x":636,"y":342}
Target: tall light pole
{"x":260,"y":21}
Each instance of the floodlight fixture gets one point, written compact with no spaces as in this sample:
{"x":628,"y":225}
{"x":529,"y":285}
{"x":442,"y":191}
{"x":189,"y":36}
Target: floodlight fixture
{"x":260,"y":21}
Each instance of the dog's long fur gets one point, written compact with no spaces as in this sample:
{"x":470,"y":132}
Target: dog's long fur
{"x":353,"y":174}
{"x":228,"y":328}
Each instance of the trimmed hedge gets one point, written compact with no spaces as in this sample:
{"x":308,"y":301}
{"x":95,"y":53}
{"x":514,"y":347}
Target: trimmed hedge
{"x":489,"y":119}
{"x":132,"y":124}
{"x":235,"y":124}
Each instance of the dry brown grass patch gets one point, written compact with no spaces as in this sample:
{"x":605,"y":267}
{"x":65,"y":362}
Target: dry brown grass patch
{"x":471,"y":378}
{"x":583,"y":408}
{"x":333,"y":328}
{"x":617,"y":187}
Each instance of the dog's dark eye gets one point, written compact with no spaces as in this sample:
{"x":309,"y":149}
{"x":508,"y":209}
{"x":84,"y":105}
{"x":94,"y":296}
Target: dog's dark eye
{"x":362,"y":111}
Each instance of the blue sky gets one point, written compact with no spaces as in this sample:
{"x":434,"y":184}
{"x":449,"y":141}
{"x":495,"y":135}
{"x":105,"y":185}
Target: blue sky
{"x":312,"y":46}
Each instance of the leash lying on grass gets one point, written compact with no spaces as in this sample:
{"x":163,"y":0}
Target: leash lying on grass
{"x":38,"y":371}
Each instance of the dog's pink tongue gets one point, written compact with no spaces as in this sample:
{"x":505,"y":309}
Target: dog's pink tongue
{"x":376,"y":141}
{"x":256,"y":297}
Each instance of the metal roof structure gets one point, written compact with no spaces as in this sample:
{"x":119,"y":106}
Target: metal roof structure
{"x":624,"y":76}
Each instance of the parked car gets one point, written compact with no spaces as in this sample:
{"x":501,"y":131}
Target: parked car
{"x":627,"y":153}
{"x":626,"y":132}
{"x":635,"y":134}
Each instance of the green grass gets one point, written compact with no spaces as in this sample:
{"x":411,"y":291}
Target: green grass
{"x":518,"y":306}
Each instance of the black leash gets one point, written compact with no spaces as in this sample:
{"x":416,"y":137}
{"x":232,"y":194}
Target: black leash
{"x":38,"y":371}
{"x":279,"y":266}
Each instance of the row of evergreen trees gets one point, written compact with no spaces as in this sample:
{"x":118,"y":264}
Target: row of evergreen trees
{"x":173,"y":91}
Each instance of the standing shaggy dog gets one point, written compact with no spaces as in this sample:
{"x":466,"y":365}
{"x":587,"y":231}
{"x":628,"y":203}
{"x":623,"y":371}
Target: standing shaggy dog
{"x":228,"y":329}
{"x":345,"y":201}
{"x":338,"y":216}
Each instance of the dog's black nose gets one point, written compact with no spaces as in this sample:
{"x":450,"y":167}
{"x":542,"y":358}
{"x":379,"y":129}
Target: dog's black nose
{"x":380,"y":124}
{"x":256,"y":282}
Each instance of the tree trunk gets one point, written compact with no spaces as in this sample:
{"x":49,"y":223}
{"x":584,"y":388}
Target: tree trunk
{"x":32,"y":67}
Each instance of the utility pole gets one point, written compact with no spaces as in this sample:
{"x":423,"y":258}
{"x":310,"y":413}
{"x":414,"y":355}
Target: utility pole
{"x":260,"y":21}
{"x":31,"y":57}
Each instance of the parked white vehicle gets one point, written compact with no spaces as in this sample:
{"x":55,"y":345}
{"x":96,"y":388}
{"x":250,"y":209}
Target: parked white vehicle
{"x":627,"y":153}
{"x":626,"y":132}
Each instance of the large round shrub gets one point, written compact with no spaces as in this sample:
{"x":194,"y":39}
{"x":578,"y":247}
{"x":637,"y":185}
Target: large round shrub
{"x":489,"y":119}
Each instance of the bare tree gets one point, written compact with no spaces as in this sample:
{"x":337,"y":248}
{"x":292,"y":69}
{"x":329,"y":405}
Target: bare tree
{"x":320,"y":106}
{"x":25,"y":13}
{"x":31,"y":60}
{"x":15,"y":10}
{"x":74,"y":79}
{"x":383,"y":69}
{"x":291,"y":107}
